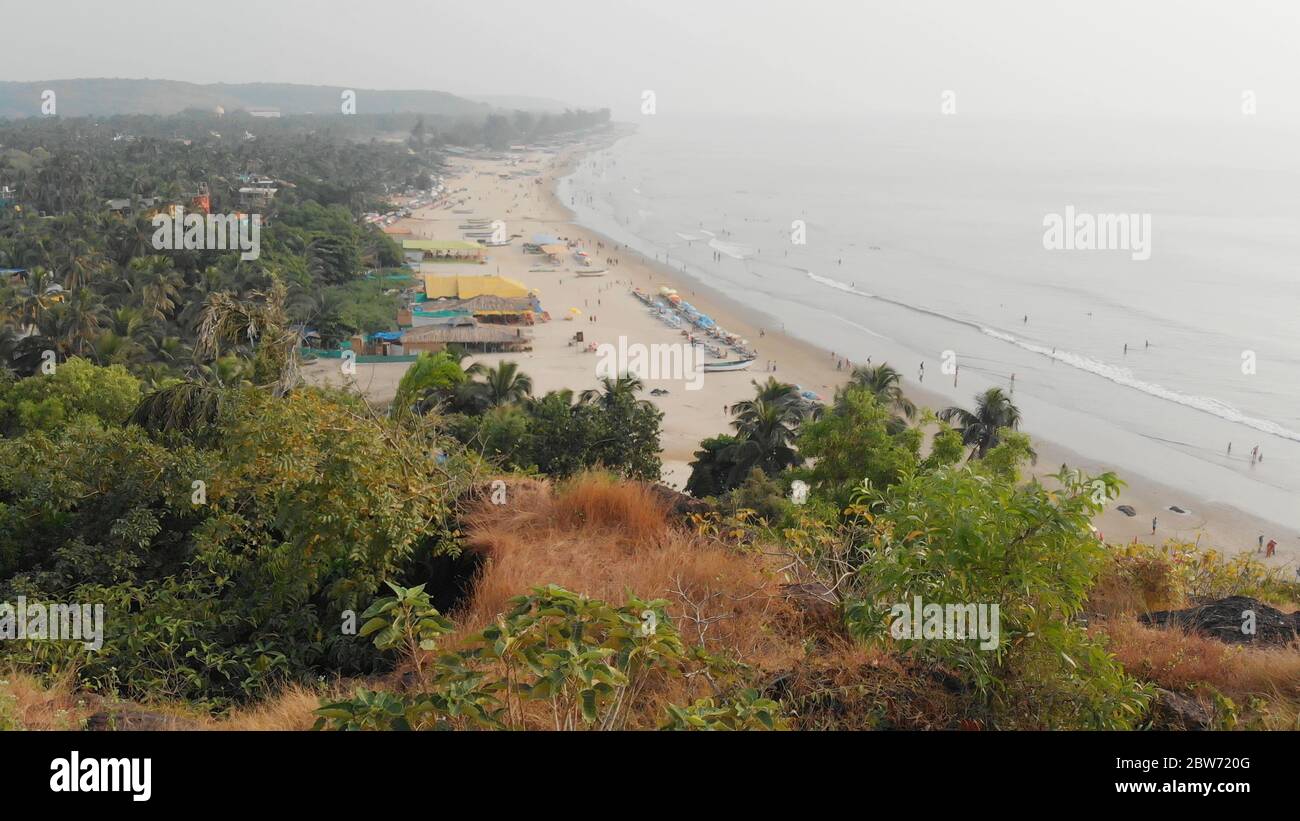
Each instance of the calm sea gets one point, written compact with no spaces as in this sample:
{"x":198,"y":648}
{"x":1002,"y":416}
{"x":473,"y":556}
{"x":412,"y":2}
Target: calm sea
{"x":926,"y":235}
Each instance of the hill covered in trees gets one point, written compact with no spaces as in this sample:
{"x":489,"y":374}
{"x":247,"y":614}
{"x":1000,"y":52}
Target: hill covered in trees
{"x":102,"y":97}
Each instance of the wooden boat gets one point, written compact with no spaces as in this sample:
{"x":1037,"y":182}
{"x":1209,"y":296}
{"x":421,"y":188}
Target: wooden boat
{"x":727,"y":365}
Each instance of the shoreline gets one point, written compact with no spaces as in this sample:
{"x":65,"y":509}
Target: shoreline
{"x":689,"y":418}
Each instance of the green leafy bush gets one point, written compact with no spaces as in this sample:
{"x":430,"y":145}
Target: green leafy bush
{"x":584,"y":661}
{"x":970,"y":536}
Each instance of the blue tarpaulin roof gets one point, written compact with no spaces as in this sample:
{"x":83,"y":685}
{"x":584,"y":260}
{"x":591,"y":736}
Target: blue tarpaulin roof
{"x":387,"y":336}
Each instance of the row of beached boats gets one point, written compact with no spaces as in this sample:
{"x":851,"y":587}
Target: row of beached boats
{"x":483,"y":231}
{"x":670,"y":309}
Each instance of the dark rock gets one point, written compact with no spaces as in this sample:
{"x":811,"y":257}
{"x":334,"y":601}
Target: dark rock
{"x":128,"y":718}
{"x":1172,"y":711}
{"x":679,"y":504}
{"x":1127,"y":510}
{"x":1224,"y":619}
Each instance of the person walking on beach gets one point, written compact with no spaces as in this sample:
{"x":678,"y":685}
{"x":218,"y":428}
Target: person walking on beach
{"x":1154,"y":522}
{"x":1270,"y":549}
{"x":1126,"y":349}
{"x":1261,"y":543}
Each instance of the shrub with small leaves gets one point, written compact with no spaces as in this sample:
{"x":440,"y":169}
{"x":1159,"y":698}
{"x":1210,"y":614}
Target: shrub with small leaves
{"x":590,"y":661}
{"x":747,"y":711}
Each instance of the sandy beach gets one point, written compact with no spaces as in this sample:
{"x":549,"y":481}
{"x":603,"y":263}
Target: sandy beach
{"x":528,"y":205}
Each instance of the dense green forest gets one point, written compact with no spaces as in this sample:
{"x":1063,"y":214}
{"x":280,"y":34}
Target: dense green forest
{"x":92,"y":285}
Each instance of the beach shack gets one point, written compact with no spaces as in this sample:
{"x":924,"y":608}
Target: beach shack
{"x":470,"y":336}
{"x":446,"y":250}
{"x":555,"y":252}
{"x":455,"y":286}
{"x":486,"y":308}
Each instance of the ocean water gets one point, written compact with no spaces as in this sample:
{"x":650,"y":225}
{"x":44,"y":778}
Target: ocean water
{"x":926,"y":235}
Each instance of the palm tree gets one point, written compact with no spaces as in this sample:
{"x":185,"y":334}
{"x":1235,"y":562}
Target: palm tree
{"x":82,"y":317}
{"x":885,"y":384}
{"x":981,"y":430}
{"x":158,"y":285}
{"x":192,"y":406}
{"x":260,"y":322}
{"x":501,"y":385}
{"x":780,"y":393}
{"x":34,"y":298}
{"x":612,"y":391}
{"x":766,"y":431}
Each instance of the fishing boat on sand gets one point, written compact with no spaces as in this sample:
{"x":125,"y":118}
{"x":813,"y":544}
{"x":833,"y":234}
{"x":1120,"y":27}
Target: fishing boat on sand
{"x":727,"y":365}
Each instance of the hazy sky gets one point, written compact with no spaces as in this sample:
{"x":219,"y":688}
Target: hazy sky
{"x":1186,"y":59}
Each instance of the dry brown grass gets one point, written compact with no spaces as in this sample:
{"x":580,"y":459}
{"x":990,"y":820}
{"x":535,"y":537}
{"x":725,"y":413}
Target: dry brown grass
{"x":1187,"y":662}
{"x":1134,"y":584}
{"x":27,"y":704}
{"x":852,"y":686}
{"x":605,"y":539}
{"x":291,"y":709}
{"x":1177,"y":659}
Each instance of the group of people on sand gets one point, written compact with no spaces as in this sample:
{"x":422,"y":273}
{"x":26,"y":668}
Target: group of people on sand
{"x":1256,"y":455}
{"x":1269,"y":549}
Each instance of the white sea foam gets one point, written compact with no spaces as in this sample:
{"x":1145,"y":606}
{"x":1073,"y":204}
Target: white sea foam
{"x":836,"y":284}
{"x":1125,"y":377}
{"x":731,"y":249}
{"x":1114,"y":373}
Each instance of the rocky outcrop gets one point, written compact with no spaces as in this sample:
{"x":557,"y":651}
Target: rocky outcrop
{"x":114,"y":715}
{"x":1234,"y":620}
{"x":1174,"y":711}
{"x":679,"y":505}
